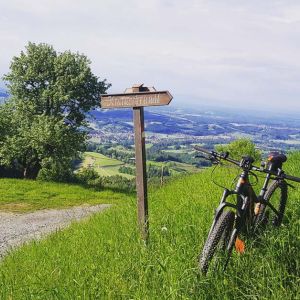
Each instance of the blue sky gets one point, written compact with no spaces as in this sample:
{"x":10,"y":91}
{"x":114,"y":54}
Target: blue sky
{"x":222,"y":53}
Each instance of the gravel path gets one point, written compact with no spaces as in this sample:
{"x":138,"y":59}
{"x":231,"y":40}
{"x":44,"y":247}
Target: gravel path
{"x":16,"y":229}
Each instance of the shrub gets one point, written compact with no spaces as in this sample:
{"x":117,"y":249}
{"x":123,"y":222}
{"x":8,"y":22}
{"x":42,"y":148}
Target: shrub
{"x":57,"y":172}
{"x":91,"y":178}
{"x":87,"y":176}
{"x":239,"y":148}
{"x":117,"y":183}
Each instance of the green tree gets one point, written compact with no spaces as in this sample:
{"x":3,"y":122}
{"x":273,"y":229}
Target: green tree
{"x":51,"y":94}
{"x":5,"y":121}
{"x":239,"y":148}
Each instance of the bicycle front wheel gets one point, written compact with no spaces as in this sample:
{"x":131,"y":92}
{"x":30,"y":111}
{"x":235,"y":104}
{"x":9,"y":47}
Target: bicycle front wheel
{"x":277,"y":196}
{"x":215,"y":248}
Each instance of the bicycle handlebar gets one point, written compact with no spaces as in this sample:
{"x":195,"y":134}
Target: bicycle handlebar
{"x":224,"y":156}
{"x":215,"y":154}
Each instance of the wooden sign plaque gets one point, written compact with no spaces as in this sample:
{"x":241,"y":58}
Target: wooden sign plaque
{"x":136,"y":99}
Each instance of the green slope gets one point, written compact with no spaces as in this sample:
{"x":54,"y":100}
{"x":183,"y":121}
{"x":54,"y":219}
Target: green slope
{"x":103,"y":258}
{"x":103,"y":165}
{"x":27,"y":195}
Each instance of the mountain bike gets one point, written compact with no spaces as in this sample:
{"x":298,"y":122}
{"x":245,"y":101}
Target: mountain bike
{"x":249,"y":212}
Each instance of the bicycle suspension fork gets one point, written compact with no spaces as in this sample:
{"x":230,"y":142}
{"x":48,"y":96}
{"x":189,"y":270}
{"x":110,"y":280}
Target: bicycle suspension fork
{"x":221,"y":207}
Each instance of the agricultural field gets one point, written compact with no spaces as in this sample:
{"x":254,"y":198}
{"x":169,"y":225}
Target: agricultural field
{"x":106,"y":166}
{"x":103,"y":165}
{"x":176,"y":168}
{"x":104,"y":257}
{"x":123,"y":149}
{"x":176,"y":151}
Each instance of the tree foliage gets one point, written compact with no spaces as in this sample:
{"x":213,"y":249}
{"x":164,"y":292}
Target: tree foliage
{"x":90,"y":178}
{"x":239,"y":148}
{"x":42,"y":124}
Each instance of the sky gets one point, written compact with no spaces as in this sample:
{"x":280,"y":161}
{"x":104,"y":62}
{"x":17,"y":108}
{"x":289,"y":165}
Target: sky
{"x":220,"y":53}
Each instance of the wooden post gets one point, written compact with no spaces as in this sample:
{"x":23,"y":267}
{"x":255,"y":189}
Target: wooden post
{"x":136,"y":98}
{"x":141,"y":172}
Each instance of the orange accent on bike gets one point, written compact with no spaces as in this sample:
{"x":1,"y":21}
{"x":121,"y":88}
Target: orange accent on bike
{"x":270,"y":158}
{"x":256,"y":209}
{"x":239,"y":246}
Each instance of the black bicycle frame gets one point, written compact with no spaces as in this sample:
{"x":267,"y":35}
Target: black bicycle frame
{"x":246,"y":198}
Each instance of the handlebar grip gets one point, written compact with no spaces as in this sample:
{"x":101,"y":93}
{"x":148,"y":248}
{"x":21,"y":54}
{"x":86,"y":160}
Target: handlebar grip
{"x":217,"y":155}
{"x":293,"y":178}
{"x":202,"y":150}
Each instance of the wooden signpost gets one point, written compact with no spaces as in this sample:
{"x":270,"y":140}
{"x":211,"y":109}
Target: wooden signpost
{"x":137,"y":98}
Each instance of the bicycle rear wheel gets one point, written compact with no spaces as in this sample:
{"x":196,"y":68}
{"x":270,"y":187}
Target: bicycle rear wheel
{"x":276,"y":195}
{"x":217,"y":241}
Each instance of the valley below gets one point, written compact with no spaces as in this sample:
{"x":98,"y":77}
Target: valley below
{"x":172,"y":133}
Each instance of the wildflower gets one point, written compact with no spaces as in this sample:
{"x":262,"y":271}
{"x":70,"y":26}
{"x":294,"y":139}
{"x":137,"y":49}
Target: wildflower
{"x":164,"y":229}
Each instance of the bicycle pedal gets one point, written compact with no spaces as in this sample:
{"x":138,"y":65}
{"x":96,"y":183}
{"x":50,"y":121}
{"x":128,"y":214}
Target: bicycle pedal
{"x":239,"y":246}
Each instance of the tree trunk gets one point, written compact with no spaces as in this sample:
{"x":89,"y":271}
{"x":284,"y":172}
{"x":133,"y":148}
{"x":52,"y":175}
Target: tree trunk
{"x":32,"y":171}
{"x":25,"y":173}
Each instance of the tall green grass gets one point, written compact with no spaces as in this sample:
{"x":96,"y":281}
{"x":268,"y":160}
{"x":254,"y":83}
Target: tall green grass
{"x":104,"y":258}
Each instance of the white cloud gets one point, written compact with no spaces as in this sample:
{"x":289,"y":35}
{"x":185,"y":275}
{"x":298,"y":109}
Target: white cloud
{"x":230,"y":51}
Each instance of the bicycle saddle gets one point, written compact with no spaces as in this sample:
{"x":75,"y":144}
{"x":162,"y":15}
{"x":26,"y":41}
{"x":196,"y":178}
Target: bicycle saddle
{"x":275,"y":160}
{"x":277,"y":157}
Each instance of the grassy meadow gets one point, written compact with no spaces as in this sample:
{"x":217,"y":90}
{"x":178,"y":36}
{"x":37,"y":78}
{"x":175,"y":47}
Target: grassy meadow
{"x":103,"y":165}
{"x":20,"y":195}
{"x":104,"y":258}
{"x":106,"y":166}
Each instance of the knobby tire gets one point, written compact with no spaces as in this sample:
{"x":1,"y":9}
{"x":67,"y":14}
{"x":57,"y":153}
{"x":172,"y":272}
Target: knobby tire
{"x":266,"y":215}
{"x":219,"y":236}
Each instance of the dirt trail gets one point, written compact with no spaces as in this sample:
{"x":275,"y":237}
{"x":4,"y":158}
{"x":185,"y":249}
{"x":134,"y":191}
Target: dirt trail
{"x":15,"y":229}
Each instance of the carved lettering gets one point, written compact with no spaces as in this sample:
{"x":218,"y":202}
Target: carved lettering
{"x":135,"y":100}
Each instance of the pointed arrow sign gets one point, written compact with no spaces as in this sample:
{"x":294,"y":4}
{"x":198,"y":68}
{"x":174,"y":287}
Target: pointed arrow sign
{"x":140,"y":99}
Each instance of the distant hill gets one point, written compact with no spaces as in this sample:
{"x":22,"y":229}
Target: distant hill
{"x":207,"y":127}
